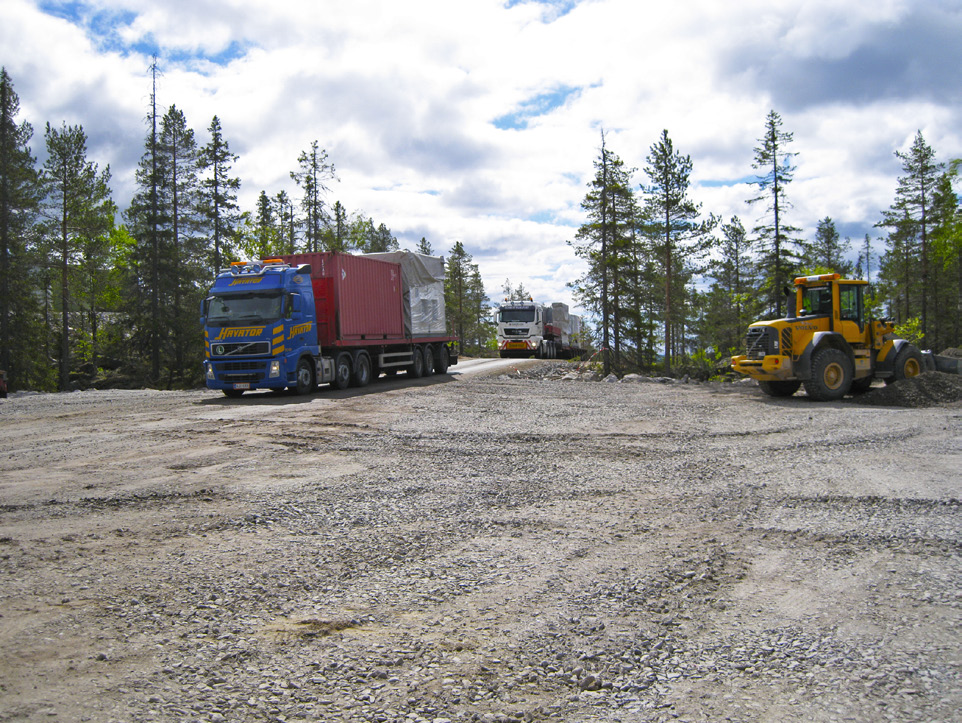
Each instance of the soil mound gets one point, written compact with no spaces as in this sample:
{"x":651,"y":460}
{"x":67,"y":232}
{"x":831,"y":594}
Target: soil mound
{"x":953,"y":352}
{"x":930,"y":389}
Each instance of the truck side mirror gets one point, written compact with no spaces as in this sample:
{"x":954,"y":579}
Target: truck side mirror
{"x":204,"y":308}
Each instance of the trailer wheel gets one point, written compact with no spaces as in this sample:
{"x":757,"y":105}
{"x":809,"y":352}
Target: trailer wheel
{"x":342,"y":371}
{"x":831,"y":375}
{"x":908,"y":364}
{"x":304,"y":377}
{"x":442,"y":361}
{"x":428,"y":354}
{"x":362,"y":370}
{"x":416,"y":370}
{"x":780,"y":388}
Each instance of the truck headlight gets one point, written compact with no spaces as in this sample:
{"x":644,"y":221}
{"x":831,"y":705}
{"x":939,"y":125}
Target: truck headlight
{"x":210,"y":370}
{"x":275,"y":368}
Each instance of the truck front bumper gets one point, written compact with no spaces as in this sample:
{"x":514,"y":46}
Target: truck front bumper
{"x":246,"y":374}
{"x":772,"y":368}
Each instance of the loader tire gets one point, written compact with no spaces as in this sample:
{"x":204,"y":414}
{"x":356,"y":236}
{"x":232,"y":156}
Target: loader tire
{"x":908,"y":364}
{"x":832,"y":374}
{"x":780,"y":388}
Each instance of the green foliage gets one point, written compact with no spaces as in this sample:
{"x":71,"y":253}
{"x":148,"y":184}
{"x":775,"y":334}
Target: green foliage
{"x":911,"y":330}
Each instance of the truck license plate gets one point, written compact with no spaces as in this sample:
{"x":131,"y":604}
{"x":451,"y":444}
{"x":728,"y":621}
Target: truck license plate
{"x":242,"y":385}
{"x":515,"y":345}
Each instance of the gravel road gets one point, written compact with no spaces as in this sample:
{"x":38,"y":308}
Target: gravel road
{"x":479,"y":547}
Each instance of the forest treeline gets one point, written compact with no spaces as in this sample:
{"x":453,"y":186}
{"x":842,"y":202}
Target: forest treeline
{"x":91,"y":294}
{"x":674,"y":287}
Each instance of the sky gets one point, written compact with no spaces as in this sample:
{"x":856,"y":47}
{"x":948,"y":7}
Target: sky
{"x":479,"y":120}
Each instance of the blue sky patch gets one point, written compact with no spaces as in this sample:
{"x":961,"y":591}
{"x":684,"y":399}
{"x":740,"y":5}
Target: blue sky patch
{"x":536,"y":106}
{"x":555,"y":8}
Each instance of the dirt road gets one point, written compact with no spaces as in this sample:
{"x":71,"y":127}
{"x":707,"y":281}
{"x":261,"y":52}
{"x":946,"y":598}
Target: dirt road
{"x":479,"y":548}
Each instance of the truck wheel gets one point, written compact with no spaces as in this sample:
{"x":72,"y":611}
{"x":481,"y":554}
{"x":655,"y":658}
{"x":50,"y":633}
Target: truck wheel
{"x":779,"y":388}
{"x":831,"y":375}
{"x":362,"y":370}
{"x":908,"y":364}
{"x":428,"y":355}
{"x":342,"y":371}
{"x":304,"y":377}
{"x":416,"y":370}
{"x":443,"y":360}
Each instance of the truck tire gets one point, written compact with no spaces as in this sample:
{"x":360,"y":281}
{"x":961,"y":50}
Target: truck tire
{"x":443,"y":360}
{"x":362,"y":370}
{"x":780,"y":388}
{"x":428,"y":355}
{"x":832,"y":374}
{"x":908,"y":364}
{"x":416,"y":370}
{"x":342,"y":371}
{"x":304,"y":377}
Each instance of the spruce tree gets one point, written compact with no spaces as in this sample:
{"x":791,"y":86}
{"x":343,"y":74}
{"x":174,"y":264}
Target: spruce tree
{"x":910,"y":221}
{"x":219,"y":192}
{"x":774,"y":161}
{"x":314,"y":171}
{"x":682,"y":236}
{"x":20,"y":194}
{"x":79,"y":210}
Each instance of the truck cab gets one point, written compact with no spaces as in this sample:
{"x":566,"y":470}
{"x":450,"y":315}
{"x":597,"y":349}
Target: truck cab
{"x":520,"y":328}
{"x":259,"y":323}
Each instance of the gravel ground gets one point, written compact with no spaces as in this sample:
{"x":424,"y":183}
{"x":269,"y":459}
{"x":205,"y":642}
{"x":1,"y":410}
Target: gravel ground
{"x":509,"y":547}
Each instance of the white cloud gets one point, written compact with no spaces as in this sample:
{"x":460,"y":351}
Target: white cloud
{"x":404,"y":97}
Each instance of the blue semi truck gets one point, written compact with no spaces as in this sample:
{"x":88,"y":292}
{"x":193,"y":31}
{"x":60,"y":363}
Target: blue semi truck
{"x":297,"y":321}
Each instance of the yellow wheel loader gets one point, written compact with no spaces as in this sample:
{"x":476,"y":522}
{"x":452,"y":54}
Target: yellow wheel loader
{"x":827,"y":342}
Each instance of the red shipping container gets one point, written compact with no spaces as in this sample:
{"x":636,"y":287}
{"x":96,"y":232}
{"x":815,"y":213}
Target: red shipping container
{"x":357,"y":298}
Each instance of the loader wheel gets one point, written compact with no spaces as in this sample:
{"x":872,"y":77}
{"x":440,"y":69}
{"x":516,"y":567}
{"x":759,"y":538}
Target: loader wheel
{"x":908,"y":364}
{"x":342,"y":371}
{"x":780,"y":388}
{"x":831,"y":376}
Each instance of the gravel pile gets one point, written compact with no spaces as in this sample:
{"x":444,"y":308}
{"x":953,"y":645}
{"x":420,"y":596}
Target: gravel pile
{"x":499,"y":550}
{"x":926,"y":390}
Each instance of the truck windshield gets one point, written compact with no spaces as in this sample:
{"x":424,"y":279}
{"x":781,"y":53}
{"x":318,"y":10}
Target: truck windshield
{"x":523,"y":315}
{"x":244,"y":309}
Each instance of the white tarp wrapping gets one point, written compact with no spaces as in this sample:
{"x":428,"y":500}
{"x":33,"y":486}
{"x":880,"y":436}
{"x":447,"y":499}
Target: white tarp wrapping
{"x":422,"y":284}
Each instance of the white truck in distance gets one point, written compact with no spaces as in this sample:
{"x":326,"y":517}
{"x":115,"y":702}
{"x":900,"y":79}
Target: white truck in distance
{"x":544,"y":331}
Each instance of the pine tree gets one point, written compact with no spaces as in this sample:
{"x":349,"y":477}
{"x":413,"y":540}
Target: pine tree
{"x":774,"y":160}
{"x":19,"y":202}
{"x":284,"y":217}
{"x":731,"y":303}
{"x":79,"y":210}
{"x":424,"y":247}
{"x":313,"y":172}
{"x":681,"y":235}
{"x":826,"y":254}
{"x":911,"y":222}
{"x":602,"y":241}
{"x":219,"y":192}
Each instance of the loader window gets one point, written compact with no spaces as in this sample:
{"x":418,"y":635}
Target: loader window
{"x":817,"y":300}
{"x":850,"y":300}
